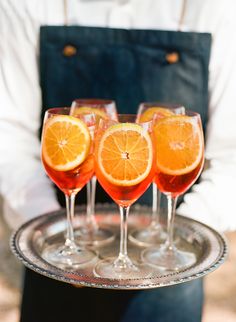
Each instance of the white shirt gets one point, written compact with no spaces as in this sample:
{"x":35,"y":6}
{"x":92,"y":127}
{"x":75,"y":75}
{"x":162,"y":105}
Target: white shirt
{"x":26,"y":190}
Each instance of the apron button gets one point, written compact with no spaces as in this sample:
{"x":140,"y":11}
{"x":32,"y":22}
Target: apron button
{"x":172,"y":58}
{"x":69,"y":50}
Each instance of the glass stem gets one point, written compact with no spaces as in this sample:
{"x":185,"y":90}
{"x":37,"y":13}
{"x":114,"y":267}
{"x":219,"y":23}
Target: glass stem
{"x":88,"y":209}
{"x":91,"y":223}
{"x":123,"y":260}
{"x":172,"y":201}
{"x":93,"y":195}
{"x":156,"y":204}
{"x":70,"y":210}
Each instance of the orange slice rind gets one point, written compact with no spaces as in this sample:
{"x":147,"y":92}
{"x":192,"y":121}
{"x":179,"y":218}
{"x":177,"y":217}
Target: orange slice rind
{"x":179,"y":144}
{"x":66,"y":142}
{"x":125,"y":154}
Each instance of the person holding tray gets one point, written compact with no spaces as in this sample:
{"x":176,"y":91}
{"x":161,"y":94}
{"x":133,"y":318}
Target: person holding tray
{"x":130,"y":51}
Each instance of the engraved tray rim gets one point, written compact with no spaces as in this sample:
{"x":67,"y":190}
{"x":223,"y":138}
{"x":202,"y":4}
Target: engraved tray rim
{"x":39,"y":265}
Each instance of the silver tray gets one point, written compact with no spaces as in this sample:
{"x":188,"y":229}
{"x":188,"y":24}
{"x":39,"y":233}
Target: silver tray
{"x":28,"y":242}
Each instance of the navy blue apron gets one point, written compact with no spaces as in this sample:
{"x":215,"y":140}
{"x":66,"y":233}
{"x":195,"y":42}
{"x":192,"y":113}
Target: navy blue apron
{"x":128,"y":66}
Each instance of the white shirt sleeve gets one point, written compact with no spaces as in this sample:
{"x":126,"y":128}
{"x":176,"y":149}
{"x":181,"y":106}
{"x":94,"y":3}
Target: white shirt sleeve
{"x":26,"y":190}
{"x":212,"y":200}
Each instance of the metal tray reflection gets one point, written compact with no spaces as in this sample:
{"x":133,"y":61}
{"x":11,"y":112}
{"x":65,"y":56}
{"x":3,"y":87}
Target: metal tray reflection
{"x":28,"y":242}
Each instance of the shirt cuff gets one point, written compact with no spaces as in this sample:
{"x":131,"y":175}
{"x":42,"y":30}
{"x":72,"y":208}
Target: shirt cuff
{"x":209,"y":213}
{"x":17,"y":214}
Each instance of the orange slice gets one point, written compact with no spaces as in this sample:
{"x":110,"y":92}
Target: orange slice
{"x":179,"y":144}
{"x":76,"y":111}
{"x":149,"y":113}
{"x":125,"y":154}
{"x":66,"y":142}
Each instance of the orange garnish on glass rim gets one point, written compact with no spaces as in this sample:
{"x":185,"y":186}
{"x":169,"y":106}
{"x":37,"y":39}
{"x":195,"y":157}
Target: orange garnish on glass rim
{"x":66,"y":142}
{"x":125,"y":154}
{"x":179,"y":144}
{"x":77,"y":111}
{"x":159,"y":112}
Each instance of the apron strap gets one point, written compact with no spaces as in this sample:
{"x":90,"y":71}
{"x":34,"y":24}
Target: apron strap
{"x":65,"y":6}
{"x":182,"y":15}
{"x":180,"y":24}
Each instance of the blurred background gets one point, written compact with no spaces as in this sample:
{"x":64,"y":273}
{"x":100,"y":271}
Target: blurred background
{"x":220,"y":286}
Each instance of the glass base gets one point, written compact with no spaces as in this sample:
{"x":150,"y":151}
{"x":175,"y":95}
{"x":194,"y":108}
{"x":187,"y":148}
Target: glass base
{"x":113,"y":268}
{"x":68,"y":257}
{"x":94,"y":237}
{"x":149,"y":236}
{"x":168,"y":259}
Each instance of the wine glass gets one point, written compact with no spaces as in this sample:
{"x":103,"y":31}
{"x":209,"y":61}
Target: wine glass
{"x":179,"y":161}
{"x":124,"y":167}
{"x":67,"y":156}
{"x":154,"y":233}
{"x":91,"y":233}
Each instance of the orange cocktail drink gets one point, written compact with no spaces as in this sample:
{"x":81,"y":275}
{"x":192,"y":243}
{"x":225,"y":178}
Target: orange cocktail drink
{"x":154,"y":233}
{"x":90,"y":233}
{"x":124,"y":164}
{"x":177,"y":184}
{"x":124,"y":167}
{"x":180,"y":153}
{"x":67,"y":156}
{"x":179,"y":160}
{"x":124,"y":194}
{"x":74,"y":179}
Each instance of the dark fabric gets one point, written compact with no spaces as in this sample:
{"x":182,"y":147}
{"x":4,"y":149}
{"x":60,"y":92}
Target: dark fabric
{"x":128,"y":66}
{"x":47,"y":300}
{"x":178,"y":303}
